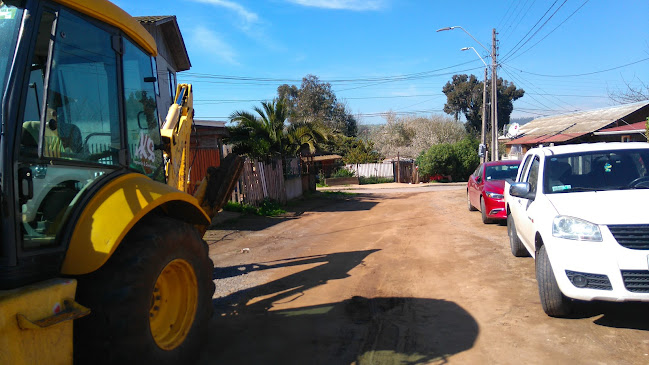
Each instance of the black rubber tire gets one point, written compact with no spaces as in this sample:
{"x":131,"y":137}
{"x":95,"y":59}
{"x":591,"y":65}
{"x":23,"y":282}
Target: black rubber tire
{"x":517,"y":247}
{"x":120,"y":294}
{"x":483,"y":209}
{"x":468,"y":202}
{"x":554,"y":303}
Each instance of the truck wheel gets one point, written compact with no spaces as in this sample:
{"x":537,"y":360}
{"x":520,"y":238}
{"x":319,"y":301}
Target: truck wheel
{"x":483,"y":210}
{"x":554,"y":303}
{"x":151,"y":301}
{"x":517,"y":247}
{"x":468,"y":202}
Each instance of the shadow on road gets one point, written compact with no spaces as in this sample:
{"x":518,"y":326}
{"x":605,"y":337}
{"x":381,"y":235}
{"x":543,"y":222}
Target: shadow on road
{"x":618,"y":315}
{"x":317,"y":202}
{"x":394,"y":330}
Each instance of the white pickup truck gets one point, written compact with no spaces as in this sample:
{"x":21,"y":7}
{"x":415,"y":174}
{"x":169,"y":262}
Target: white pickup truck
{"x":582,"y":211}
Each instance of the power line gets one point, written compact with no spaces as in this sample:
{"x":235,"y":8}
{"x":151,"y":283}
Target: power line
{"x":582,"y":74}
{"x":520,"y":18}
{"x":557,"y":98}
{"x":507,"y":12}
{"x":512,"y":53}
{"x":244,"y":79}
{"x":531,"y":29}
{"x":565,"y":20}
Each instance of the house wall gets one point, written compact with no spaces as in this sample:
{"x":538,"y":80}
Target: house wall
{"x":164,"y":64}
{"x":632,"y":137}
{"x":293,"y":187}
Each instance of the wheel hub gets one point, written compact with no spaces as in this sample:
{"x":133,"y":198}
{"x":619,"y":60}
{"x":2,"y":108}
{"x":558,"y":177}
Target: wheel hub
{"x":173,"y":304}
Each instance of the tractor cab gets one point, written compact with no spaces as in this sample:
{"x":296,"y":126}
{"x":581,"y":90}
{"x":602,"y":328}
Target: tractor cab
{"x":78,"y":104}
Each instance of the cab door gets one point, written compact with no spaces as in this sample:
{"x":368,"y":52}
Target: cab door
{"x":69,"y":131}
{"x":525,"y":224}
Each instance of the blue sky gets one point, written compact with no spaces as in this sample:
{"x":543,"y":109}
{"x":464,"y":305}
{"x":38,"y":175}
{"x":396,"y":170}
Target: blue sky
{"x":241,"y":50}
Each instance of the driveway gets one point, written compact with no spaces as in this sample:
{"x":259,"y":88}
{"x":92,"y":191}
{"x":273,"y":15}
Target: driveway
{"x":395,"y":278}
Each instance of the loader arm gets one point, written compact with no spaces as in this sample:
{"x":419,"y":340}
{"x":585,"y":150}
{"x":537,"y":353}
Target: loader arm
{"x":214,"y":190}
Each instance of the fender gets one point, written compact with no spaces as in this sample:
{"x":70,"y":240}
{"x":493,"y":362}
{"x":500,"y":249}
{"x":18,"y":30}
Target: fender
{"x":113,"y":211}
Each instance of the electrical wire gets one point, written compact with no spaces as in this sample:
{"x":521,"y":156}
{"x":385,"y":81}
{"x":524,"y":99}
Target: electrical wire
{"x":560,"y":24}
{"x":583,"y":74}
{"x":513,"y":52}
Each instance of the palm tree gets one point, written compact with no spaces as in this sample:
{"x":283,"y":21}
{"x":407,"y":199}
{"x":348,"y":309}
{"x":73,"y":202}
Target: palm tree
{"x":266,"y":136}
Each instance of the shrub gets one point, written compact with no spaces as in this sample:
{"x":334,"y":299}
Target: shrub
{"x":457,"y":160}
{"x":268,"y":208}
{"x":374,"y":180}
{"x":342,"y":173}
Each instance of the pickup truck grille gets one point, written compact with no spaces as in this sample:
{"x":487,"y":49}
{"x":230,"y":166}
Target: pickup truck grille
{"x":636,"y":281}
{"x":633,"y":236}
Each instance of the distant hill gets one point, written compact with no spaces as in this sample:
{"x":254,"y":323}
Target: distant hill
{"x":520,"y":121}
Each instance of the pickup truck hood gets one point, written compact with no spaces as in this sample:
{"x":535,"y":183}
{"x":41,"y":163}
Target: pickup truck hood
{"x":604,"y":207}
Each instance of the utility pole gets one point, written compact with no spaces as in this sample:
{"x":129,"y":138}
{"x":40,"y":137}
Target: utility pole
{"x":494,"y":99}
{"x":484,"y":117}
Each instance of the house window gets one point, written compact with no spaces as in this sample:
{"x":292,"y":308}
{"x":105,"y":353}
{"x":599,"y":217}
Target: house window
{"x":626,"y":138}
{"x":172,"y":85}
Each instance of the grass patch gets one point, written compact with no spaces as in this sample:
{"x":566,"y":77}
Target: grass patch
{"x":374,"y":180}
{"x":268,"y":208}
{"x":321,"y":185}
{"x":336,"y":193}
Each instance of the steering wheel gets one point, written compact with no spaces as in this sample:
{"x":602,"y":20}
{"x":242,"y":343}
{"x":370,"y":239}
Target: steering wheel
{"x":639,"y":181}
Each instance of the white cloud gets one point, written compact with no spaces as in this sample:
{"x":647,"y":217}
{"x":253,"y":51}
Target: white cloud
{"x":249,"y":18}
{"x":357,"y":5}
{"x":210,"y":42}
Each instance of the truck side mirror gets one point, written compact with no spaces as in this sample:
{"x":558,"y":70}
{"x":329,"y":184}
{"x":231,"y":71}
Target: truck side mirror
{"x":520,"y":190}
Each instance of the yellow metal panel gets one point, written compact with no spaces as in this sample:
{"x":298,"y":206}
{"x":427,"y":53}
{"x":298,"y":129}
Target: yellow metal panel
{"x":109,"y":13}
{"x":49,"y":345}
{"x":114,"y":210}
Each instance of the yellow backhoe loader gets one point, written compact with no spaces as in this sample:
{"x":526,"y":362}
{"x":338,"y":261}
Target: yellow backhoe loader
{"x":101,"y":252}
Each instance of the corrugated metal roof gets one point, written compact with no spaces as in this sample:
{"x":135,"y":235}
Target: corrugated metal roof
{"x":173,"y":37}
{"x":562,"y":137}
{"x":546,"y":138}
{"x":152,"y":18}
{"x":635,"y":127}
{"x":581,"y":122}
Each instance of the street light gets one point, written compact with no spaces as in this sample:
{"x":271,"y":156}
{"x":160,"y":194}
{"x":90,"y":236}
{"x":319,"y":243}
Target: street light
{"x":494,"y":93}
{"x":483,"y":139}
{"x":465,"y":31}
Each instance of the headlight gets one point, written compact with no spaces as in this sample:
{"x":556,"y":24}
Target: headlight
{"x":572,"y":228}
{"x":494,"y":195}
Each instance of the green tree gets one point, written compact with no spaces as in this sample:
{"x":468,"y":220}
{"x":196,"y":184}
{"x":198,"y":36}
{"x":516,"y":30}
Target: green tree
{"x":315,"y":101}
{"x":464,"y":96}
{"x":266,"y":135}
{"x":353,"y":149}
{"x":456,"y":159}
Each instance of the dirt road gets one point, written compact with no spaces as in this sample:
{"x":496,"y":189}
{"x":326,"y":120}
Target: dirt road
{"x":396,"y":278}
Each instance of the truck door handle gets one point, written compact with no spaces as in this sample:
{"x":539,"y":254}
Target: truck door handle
{"x":25,"y":184}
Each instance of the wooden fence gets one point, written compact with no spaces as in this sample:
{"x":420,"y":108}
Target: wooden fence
{"x":260,"y":181}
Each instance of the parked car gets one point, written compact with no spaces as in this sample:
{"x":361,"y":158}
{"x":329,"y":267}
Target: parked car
{"x":484,"y":190}
{"x":581,"y":212}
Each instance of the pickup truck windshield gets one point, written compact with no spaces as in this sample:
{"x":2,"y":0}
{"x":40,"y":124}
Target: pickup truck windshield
{"x":600,"y":170}
{"x":10,"y":18}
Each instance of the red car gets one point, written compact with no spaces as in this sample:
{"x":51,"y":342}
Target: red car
{"x":485,"y":188}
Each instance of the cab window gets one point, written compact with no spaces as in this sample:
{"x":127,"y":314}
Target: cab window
{"x":81,"y":115}
{"x":142,"y":129}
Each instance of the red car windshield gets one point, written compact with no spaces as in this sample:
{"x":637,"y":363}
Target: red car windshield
{"x":501,"y":172}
